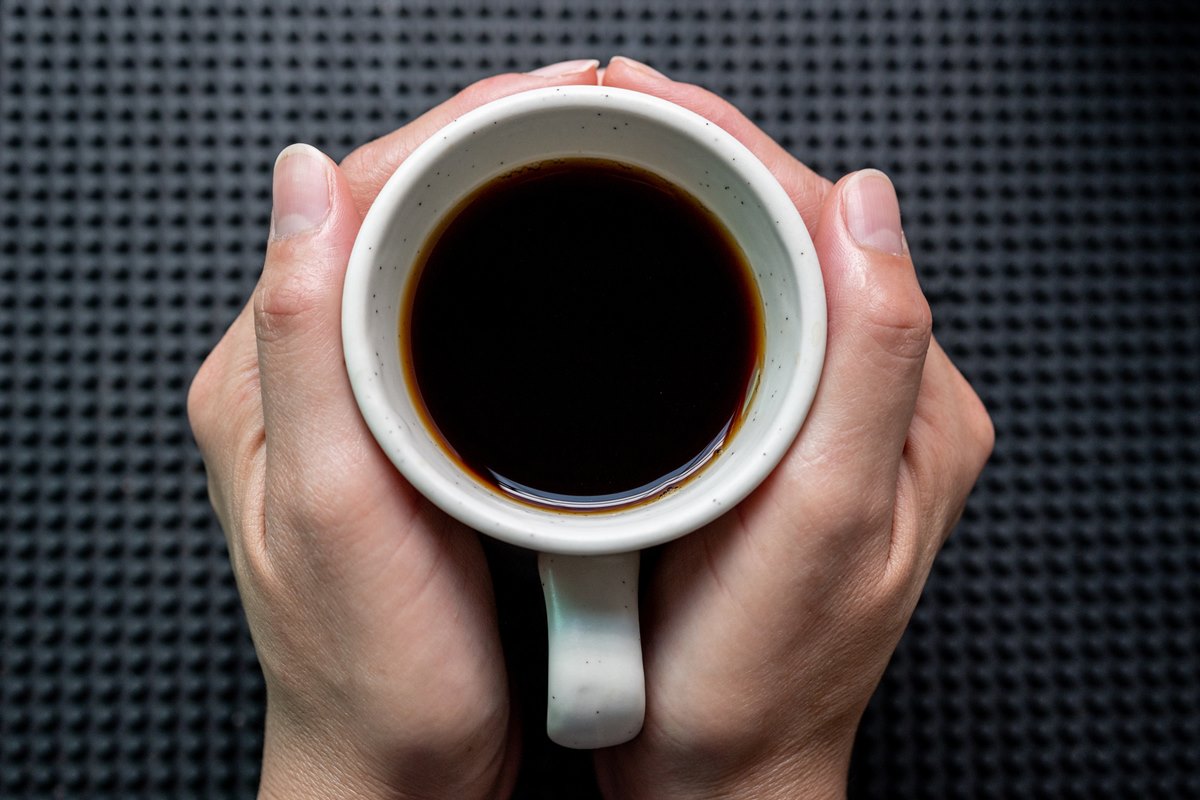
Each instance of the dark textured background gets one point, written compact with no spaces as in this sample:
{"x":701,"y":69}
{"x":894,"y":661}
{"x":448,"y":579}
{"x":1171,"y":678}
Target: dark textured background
{"x":1048,"y":158}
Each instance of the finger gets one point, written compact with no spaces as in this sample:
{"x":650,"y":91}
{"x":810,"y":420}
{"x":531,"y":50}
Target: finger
{"x":879,"y":333}
{"x":312,"y":425}
{"x":949,"y":441}
{"x":370,"y":166}
{"x":805,"y":187}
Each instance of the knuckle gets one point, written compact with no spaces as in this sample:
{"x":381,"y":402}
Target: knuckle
{"x":280,"y":302}
{"x":902,"y":326}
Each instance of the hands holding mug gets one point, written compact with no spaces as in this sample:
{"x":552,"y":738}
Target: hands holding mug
{"x":764,"y":632}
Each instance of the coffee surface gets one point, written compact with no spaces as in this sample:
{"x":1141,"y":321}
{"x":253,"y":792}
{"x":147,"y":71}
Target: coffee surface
{"x":582,"y":333}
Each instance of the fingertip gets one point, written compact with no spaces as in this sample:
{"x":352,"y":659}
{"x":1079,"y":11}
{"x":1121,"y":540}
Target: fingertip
{"x":313,"y":227}
{"x":565,"y":69}
{"x":296,"y":307}
{"x":861,"y":215}
{"x":298,"y":148}
{"x":871,"y":282}
{"x":627,"y":64}
{"x":300,"y":191}
{"x":871,"y":212}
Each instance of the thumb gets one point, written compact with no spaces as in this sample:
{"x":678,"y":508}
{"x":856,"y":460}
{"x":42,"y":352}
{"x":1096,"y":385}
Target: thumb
{"x":308,"y":406}
{"x":879,"y":333}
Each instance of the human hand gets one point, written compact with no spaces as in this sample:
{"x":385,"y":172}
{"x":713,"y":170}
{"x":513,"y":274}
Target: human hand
{"x":765,"y":633}
{"x":371,"y":611}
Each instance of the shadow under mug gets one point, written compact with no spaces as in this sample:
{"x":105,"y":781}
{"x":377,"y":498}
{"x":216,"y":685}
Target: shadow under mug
{"x":589,"y":560}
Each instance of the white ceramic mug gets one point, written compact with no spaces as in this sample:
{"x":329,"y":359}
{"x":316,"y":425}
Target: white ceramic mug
{"x":589,"y":560}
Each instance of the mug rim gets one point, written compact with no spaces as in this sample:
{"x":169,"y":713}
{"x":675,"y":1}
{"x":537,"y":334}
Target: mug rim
{"x":558,"y":530}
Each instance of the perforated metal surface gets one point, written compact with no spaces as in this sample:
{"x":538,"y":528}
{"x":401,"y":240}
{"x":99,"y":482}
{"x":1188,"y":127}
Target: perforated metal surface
{"x":1048,"y":158}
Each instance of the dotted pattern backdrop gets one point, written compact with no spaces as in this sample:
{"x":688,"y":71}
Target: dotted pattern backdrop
{"x":1048,"y":158}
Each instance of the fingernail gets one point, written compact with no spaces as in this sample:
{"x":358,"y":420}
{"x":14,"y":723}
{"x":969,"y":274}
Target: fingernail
{"x":645,"y":69}
{"x":300,"y":191}
{"x":873,"y":212}
{"x":564,"y":68}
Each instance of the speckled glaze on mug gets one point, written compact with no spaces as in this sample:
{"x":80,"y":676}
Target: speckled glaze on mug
{"x":591,"y":705}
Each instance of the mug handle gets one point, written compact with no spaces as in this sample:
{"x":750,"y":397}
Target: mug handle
{"x":597,"y":688}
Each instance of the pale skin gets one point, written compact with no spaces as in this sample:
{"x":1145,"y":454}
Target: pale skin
{"x":764,"y":634}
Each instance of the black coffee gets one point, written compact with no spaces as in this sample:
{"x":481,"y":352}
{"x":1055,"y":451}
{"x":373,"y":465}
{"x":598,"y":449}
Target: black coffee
{"x":583,"y":334}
